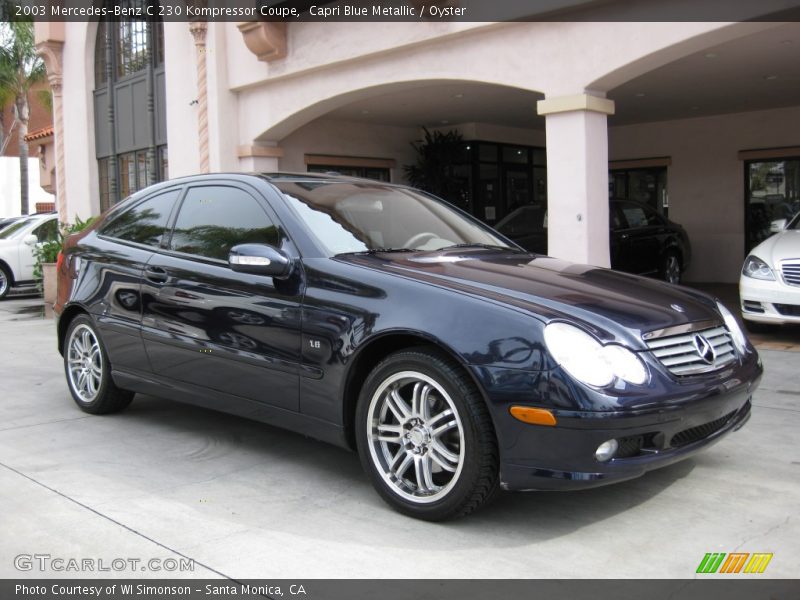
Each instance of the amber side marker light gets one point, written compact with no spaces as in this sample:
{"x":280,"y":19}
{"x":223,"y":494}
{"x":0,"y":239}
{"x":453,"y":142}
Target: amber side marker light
{"x":534,"y":416}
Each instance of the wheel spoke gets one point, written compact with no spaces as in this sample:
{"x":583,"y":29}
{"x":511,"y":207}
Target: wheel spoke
{"x":438,"y":448}
{"x":91,"y":384}
{"x":443,"y":428}
{"x":81,"y":382}
{"x":424,"y":474}
{"x":439,"y":416}
{"x":86,"y":340}
{"x":397,"y":405}
{"x":419,"y":400}
{"x":398,"y":466}
{"x":389,"y":433}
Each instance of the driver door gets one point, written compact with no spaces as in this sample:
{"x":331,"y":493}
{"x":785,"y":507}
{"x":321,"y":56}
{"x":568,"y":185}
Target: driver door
{"x":203,"y":323}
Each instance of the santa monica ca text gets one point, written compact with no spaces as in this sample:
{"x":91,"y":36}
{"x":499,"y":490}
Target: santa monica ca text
{"x":142,"y":589}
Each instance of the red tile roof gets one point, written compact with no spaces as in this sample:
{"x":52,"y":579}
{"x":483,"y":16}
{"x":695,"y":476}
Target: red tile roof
{"x":39,"y":134}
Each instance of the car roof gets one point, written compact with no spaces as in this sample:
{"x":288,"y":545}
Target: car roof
{"x":277,"y":177}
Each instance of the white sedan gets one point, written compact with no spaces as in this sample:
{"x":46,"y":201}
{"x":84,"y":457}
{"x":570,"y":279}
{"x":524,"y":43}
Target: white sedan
{"x":769,"y":286}
{"x":17,"y":242}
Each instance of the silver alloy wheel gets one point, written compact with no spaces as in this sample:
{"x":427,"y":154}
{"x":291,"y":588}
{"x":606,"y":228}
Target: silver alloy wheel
{"x":3,"y":282}
{"x":416,"y":438}
{"x":673,"y":269}
{"x":84,"y":363}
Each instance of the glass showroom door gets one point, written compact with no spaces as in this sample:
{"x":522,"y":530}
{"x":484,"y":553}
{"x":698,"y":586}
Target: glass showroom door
{"x":772,"y":192}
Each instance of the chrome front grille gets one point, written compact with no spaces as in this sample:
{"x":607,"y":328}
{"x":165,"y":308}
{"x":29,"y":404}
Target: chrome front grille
{"x":791,"y":272}
{"x":686,"y":353}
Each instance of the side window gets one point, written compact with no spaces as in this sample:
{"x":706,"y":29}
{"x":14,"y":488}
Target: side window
{"x":653,"y":218}
{"x":144,"y":223}
{"x":214,"y":218}
{"x":634,"y":215}
{"x":47,"y":232}
{"x":615,"y":218}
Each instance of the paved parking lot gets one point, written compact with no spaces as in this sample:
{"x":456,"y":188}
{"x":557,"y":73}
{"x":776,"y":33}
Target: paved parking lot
{"x":245,"y":500}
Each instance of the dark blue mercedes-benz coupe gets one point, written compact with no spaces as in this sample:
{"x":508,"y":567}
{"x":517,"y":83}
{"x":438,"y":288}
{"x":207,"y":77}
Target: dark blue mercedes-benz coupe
{"x":382,"y":319}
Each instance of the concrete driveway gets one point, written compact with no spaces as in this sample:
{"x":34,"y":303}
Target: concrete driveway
{"x":244,"y":500}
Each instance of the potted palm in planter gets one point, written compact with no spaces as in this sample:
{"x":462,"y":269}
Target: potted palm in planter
{"x":46,"y":254}
{"x":44,"y":269}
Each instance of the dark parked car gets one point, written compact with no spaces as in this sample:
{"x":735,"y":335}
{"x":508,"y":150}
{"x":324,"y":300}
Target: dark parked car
{"x":642,"y":241}
{"x":379,"y":318}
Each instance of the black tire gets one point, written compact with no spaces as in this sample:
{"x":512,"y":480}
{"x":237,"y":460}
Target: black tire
{"x":445,"y":494}
{"x":671,"y":269}
{"x":98,"y":398}
{"x":6,"y":281}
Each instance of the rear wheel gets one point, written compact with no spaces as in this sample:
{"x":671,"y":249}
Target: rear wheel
{"x":671,"y":271}
{"x":5,"y":281}
{"x":89,"y":371}
{"x":425,"y":437}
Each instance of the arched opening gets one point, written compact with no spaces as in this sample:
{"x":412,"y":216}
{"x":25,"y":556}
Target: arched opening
{"x":129,"y":105}
{"x":702,"y":133}
{"x":499,"y":165}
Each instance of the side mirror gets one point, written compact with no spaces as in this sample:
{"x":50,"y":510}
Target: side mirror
{"x":30,"y":239}
{"x":259,"y":259}
{"x":777,"y":225}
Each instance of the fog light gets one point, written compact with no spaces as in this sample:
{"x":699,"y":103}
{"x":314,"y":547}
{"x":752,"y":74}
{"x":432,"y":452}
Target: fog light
{"x":606,"y":450}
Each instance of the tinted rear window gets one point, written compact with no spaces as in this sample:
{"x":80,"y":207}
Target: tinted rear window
{"x":146,"y":222}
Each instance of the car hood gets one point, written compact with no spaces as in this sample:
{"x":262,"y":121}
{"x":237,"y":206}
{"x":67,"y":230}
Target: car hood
{"x":781,"y":246}
{"x":614,"y":306}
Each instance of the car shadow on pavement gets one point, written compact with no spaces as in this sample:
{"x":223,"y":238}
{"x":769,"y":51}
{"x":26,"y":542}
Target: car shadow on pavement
{"x":292,"y":474}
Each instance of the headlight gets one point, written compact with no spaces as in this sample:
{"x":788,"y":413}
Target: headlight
{"x":587,"y":360}
{"x":757,"y":269}
{"x":738,"y":336}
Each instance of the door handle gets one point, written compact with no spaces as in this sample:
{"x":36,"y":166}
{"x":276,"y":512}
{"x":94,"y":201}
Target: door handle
{"x":156,"y":274}
{"x":625,"y":236}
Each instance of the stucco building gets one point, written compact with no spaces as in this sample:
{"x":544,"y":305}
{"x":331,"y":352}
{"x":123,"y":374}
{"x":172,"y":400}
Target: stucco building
{"x":698,"y":119}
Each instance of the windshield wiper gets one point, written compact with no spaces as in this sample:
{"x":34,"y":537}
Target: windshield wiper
{"x":377,"y":251}
{"x":479,"y":245}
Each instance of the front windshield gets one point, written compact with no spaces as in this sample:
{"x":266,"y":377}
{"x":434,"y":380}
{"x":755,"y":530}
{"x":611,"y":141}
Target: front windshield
{"x":794,"y":223}
{"x":14,"y":228}
{"x":361,"y":217}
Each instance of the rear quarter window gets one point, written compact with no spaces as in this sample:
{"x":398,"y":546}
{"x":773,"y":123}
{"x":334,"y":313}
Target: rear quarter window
{"x":145,"y":223}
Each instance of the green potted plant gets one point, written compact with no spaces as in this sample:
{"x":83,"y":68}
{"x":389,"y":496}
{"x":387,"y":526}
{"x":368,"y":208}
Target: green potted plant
{"x":438,"y":154}
{"x":46,"y":255}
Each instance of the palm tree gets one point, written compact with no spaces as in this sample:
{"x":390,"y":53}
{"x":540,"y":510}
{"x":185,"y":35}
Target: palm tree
{"x":20,"y":69}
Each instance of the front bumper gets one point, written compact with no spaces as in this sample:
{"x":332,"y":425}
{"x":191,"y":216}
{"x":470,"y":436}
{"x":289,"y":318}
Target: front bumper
{"x":769,"y":301}
{"x":649,"y":456}
{"x":670,"y":421}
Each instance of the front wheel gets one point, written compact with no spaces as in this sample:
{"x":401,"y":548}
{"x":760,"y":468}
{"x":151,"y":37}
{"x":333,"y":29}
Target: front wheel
{"x":88,"y":370}
{"x":425,"y":437}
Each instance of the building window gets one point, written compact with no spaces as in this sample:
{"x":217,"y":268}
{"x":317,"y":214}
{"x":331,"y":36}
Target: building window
{"x":772,"y":193}
{"x":133,"y":47}
{"x":378,"y":174}
{"x":131,"y":149}
{"x":163,"y":163}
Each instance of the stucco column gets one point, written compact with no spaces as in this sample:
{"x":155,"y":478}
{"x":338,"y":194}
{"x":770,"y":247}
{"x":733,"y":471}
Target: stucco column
{"x":577,"y":177}
{"x":51,"y":51}
{"x":259,"y":158}
{"x":198,"y":29}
